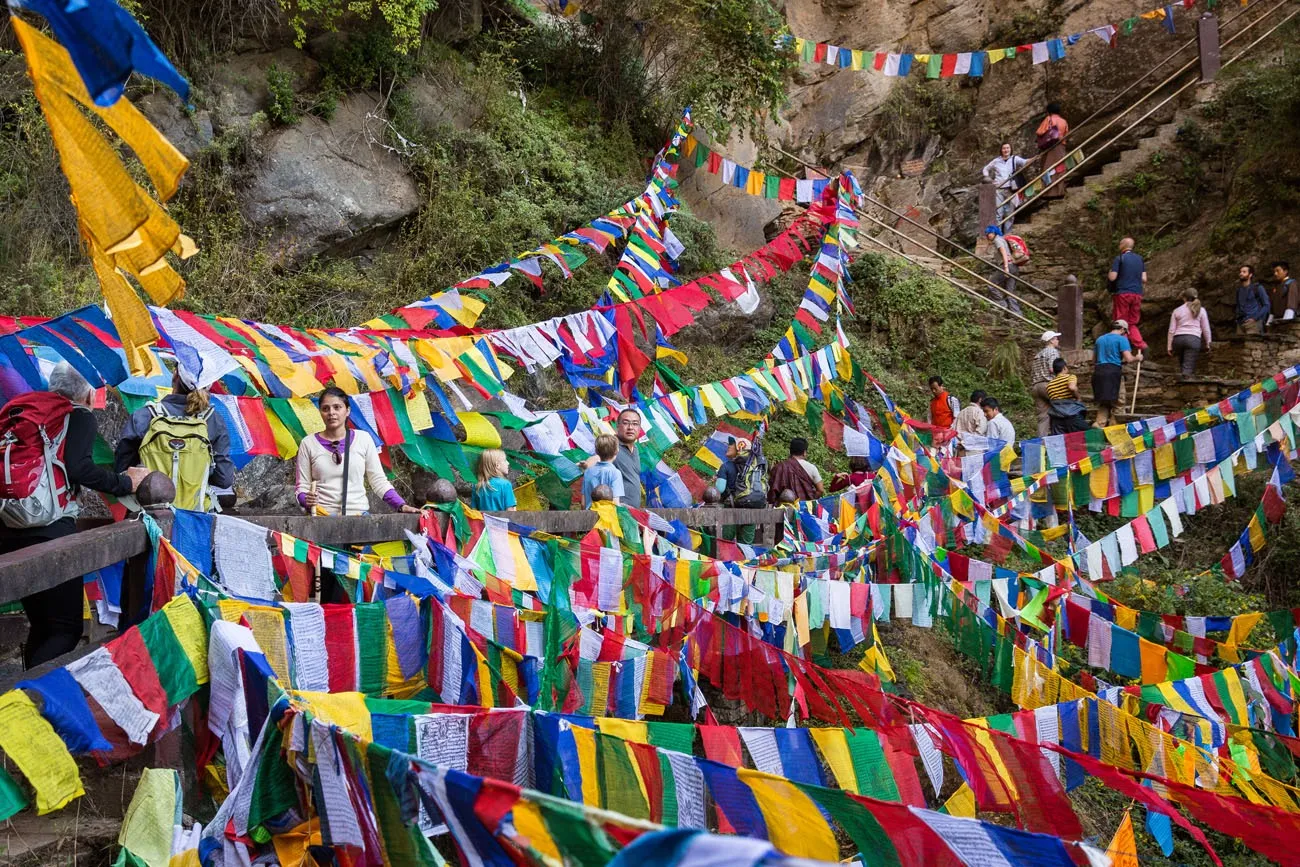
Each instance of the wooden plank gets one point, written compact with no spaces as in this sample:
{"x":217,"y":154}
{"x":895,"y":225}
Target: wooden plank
{"x":48,"y":564}
{"x":7,"y":682}
{"x":340,"y":531}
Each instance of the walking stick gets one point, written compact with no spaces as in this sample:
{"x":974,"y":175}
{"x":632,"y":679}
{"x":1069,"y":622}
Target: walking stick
{"x":1137,"y":377}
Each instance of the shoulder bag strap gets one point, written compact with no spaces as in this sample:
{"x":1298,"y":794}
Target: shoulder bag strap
{"x":347,"y":455}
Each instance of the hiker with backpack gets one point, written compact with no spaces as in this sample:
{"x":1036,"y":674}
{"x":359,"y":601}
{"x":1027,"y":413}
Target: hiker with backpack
{"x":797,"y":474}
{"x":48,"y":440}
{"x":335,"y":466}
{"x":1050,"y":138}
{"x":1006,"y":257}
{"x":182,"y":437}
{"x":742,"y":481}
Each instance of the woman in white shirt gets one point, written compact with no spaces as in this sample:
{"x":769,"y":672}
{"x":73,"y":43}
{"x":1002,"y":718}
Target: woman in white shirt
{"x":323,"y":458}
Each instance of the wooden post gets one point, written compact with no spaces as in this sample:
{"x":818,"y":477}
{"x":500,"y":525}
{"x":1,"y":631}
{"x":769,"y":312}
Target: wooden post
{"x":988,"y":215}
{"x":155,"y":494}
{"x":1069,"y":313}
{"x":1207,"y":42}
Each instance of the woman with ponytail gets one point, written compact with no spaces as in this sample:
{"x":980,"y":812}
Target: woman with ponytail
{"x":1189,"y":332}
{"x":183,"y":437}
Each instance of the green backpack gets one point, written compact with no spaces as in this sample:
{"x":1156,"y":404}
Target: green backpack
{"x":178,"y":447}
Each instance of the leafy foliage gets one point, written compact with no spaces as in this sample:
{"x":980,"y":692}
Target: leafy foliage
{"x":914,"y":111}
{"x":642,"y":62}
{"x":282,"y":108}
{"x":403,"y":17}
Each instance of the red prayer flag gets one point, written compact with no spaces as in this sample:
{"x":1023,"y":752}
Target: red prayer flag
{"x":130,"y":654}
{"x":340,"y":644}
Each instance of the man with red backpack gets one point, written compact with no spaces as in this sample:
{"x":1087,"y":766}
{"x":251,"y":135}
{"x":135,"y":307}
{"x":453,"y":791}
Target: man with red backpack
{"x":1003,"y":255}
{"x":47,"y":440}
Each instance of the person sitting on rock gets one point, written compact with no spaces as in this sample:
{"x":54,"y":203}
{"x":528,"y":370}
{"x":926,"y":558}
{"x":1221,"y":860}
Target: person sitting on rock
{"x":1065,"y":408}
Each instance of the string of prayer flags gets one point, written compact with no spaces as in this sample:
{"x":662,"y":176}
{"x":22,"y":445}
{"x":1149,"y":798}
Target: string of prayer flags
{"x":972,"y":63}
{"x":125,"y":230}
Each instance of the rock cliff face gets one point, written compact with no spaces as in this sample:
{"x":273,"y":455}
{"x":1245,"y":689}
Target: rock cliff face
{"x":330,"y":186}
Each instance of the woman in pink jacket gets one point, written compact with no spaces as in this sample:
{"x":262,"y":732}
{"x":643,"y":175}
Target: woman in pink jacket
{"x":1189,"y":332}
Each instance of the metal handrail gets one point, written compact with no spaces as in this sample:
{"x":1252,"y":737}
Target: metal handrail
{"x":1087,"y":156}
{"x":1160,"y":105}
{"x":1007,"y":292}
{"x":962,"y":286}
{"x":920,"y":226}
{"x":1090,"y":118}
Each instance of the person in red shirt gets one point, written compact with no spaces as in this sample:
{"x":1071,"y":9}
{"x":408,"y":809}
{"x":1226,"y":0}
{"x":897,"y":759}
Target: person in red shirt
{"x":943,"y":406}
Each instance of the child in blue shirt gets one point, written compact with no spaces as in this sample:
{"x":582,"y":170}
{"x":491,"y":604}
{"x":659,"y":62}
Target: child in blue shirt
{"x":493,"y":492}
{"x":603,"y":472}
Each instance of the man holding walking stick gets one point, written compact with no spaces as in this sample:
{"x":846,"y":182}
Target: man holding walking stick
{"x":1111,"y":352}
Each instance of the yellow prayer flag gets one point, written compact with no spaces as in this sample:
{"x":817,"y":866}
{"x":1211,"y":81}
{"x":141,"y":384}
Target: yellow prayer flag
{"x":417,"y":410}
{"x":30,"y":741}
{"x":795,"y":825}
{"x":529,"y":826}
{"x":607,"y":517}
{"x":584,"y":740}
{"x":1120,"y":439}
{"x":285,"y":444}
{"x":232,"y":609}
{"x":1242,"y":626}
{"x":526,"y":498}
{"x":267,"y":625}
{"x":190,"y":858}
{"x":115,"y":211}
{"x":479,"y":431}
{"x":1123,"y":846}
{"x":187,"y":625}
{"x":307,"y":415}
{"x":347,"y":710}
{"x":835,"y":750}
{"x":961,"y":803}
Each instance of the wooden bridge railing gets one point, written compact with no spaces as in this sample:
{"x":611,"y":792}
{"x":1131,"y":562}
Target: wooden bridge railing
{"x":100,"y":545}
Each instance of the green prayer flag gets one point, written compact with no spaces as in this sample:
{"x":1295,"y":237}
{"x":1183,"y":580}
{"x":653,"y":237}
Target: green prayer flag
{"x":772,"y":189}
{"x":12,"y":799}
{"x":579,"y":841}
{"x":1180,"y":667}
{"x":863,"y":828}
{"x":678,"y":737}
{"x":934,"y":66}
{"x":175,"y":672}
{"x":372,"y":644}
{"x":403,"y":842}
{"x":875,"y":777}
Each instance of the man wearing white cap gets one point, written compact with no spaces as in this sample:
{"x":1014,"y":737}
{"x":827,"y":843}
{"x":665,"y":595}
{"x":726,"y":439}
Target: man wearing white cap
{"x":1040,"y":372}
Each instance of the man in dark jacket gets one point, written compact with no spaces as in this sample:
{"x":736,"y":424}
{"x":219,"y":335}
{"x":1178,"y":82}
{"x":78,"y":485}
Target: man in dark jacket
{"x":795,"y":473}
{"x":1252,"y":302}
{"x":55,"y":615}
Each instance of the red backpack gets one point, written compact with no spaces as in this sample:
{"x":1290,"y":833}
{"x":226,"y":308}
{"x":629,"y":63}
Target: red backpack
{"x":1018,"y":248}
{"x":34,"y":487}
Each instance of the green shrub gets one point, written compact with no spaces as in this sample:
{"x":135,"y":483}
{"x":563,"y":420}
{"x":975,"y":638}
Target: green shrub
{"x":403,"y":17}
{"x":282,"y":107}
{"x":914,"y":111}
